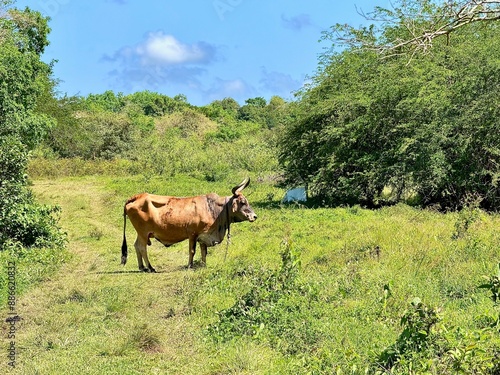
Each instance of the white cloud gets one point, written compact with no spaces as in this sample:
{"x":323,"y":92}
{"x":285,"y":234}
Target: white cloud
{"x":164,"y":49}
{"x":160,"y":59}
{"x":234,"y":86}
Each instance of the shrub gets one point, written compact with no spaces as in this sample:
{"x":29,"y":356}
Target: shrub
{"x":103,"y":135}
{"x":21,"y":219}
{"x":187,"y":122}
{"x":417,"y":322}
{"x":276,"y":309}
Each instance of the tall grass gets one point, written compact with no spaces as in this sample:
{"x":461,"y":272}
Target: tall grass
{"x":301,"y":291}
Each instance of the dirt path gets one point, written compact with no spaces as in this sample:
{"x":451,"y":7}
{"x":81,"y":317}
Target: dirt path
{"x":93,"y":315}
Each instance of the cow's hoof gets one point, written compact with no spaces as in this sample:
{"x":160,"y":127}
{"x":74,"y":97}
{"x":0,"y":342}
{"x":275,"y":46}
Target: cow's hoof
{"x":151,"y":269}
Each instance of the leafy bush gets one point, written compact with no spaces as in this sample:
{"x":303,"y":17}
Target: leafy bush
{"x":188,"y":122}
{"x":417,"y":323}
{"x":108,"y":102}
{"x":156,"y":105}
{"x":493,"y":285}
{"x":13,"y":160}
{"x":22,"y":220}
{"x":276,"y":308}
{"x":466,"y":217}
{"x":226,"y":131}
{"x":421,"y":348}
{"x":103,"y":135}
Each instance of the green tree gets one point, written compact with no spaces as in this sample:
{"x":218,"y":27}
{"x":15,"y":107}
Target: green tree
{"x":276,"y":112}
{"x":225,"y":110}
{"x":253,"y":110}
{"x":427,"y":129}
{"x":225,"y":113}
{"x":154,"y":104}
{"x":23,"y":79}
{"x":62,"y":138}
{"x":230,"y":105}
{"x":107,"y":101}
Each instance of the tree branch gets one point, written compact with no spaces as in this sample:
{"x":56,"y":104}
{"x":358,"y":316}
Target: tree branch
{"x":422,"y":26}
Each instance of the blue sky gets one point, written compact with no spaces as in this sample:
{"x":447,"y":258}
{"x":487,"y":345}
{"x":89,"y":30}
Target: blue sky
{"x":204,"y":49}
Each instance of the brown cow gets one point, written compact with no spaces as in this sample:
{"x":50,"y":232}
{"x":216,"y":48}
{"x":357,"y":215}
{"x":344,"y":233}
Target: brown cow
{"x":204,"y":219}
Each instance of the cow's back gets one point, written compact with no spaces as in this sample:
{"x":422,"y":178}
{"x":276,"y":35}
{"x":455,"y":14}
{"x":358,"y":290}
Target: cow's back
{"x":166,"y":218}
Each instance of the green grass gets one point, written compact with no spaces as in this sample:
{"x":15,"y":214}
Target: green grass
{"x":357,"y":272}
{"x":28,"y":267}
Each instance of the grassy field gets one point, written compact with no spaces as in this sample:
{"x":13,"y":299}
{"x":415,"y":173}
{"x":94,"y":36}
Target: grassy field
{"x":300,"y":291}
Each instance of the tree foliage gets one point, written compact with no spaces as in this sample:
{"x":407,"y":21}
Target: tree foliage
{"x":23,"y":78}
{"x":370,"y":129}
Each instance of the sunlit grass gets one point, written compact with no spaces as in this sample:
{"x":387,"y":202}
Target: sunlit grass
{"x":95,"y":316}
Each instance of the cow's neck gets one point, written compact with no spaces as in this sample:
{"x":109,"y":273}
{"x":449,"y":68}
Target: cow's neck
{"x":227,"y":212}
{"x":223,"y":217}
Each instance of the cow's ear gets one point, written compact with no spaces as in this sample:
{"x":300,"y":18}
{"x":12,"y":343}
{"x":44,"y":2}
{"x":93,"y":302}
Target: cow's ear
{"x":238,"y":188}
{"x":234,"y":206}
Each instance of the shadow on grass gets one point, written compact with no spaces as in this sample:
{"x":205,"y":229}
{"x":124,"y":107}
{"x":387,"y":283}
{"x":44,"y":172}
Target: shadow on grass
{"x":196,"y":265}
{"x":277,"y":205}
{"x":314,"y":203}
{"x":124,"y":272}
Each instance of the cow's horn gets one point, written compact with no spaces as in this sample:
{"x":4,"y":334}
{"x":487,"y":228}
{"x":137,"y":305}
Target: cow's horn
{"x":237,"y":189}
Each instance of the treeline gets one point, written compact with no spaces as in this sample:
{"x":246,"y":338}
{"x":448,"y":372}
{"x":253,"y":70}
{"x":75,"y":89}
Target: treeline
{"x":161,"y":135}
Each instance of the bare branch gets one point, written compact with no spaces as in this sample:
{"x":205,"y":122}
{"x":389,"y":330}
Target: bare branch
{"x":422,"y":26}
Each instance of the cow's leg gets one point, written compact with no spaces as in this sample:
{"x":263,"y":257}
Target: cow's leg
{"x":192,"y":250}
{"x":141,"y":247}
{"x":203,"y":254}
{"x":138,"y":244}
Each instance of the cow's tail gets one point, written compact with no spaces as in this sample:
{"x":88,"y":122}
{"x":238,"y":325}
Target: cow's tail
{"x":124,"y":243}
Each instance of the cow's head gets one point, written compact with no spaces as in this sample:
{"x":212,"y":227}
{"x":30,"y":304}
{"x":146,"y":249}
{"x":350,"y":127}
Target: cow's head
{"x":241,"y":210}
